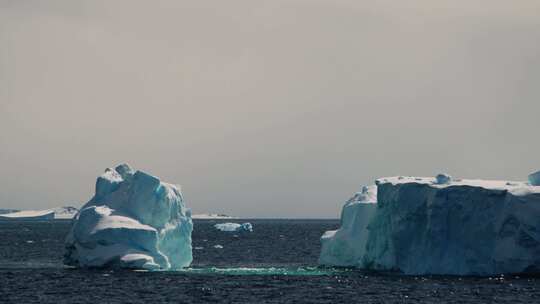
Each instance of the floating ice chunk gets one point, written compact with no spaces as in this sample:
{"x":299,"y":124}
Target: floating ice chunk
{"x":234,"y":227}
{"x":134,"y":221}
{"x":534,"y":178}
{"x":443,"y":178}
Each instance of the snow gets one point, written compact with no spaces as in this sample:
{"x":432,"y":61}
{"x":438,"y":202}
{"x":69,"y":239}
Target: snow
{"x":48,"y":214}
{"x":419,"y":226}
{"x":30,"y":215}
{"x":515,"y":187}
{"x":234,"y":227}
{"x":133,"y":221}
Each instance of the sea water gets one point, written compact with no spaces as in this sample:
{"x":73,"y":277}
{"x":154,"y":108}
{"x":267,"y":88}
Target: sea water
{"x":276,"y":263}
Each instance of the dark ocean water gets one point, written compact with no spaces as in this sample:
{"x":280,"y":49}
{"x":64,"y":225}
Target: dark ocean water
{"x":274,"y":264}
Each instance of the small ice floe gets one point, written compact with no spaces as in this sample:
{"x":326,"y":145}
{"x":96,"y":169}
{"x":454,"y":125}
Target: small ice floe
{"x":443,"y":178}
{"x":218,"y":246}
{"x":234,"y":227}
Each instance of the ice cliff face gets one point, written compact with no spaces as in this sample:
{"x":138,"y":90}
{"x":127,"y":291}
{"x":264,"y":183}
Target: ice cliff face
{"x":133,"y":221}
{"x":344,"y":247}
{"x":423,"y":226}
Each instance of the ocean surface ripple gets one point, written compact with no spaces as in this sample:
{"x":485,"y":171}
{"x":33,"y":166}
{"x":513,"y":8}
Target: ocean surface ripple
{"x":276,"y":263}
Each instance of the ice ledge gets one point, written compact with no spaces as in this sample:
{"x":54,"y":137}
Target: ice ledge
{"x":514,"y":187}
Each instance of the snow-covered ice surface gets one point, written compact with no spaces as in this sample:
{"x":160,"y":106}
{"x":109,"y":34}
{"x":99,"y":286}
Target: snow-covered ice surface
{"x":422,"y":226}
{"x":133,"y":221}
{"x":234,"y":227}
{"x":66,"y":212}
{"x":41,"y":215}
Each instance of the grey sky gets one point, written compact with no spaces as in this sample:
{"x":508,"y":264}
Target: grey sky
{"x":264,"y":108}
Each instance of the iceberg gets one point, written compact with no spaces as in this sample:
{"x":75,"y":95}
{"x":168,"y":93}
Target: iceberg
{"x":134,"y":220}
{"x":344,"y":246}
{"x":29,"y":215}
{"x":234,"y":227}
{"x":436,"y":225}
{"x":6,"y":211}
{"x":534,"y":178}
{"x":211,"y":216}
{"x":66,"y":212}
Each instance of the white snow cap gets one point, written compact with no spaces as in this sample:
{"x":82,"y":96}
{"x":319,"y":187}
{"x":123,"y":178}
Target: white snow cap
{"x":133,"y":221}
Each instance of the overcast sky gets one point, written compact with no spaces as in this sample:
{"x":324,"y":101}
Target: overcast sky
{"x":264,"y":108}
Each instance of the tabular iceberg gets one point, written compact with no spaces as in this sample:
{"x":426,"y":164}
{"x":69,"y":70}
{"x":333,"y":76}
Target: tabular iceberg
{"x":234,"y":227}
{"x":44,"y":215}
{"x":439,"y":226}
{"x":65,"y":213}
{"x":133,"y":221}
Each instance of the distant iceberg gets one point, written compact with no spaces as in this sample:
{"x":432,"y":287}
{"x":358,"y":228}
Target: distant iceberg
{"x":234,"y":227}
{"x":133,"y":221}
{"x":6,"y":211}
{"x":66,"y":212}
{"x":31,"y":215}
{"x":210,"y":216}
{"x":439,"y":226}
